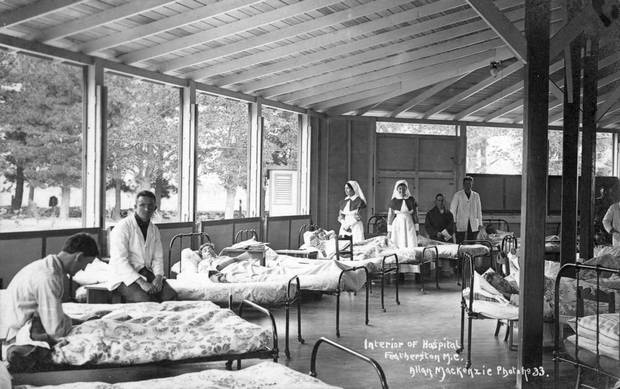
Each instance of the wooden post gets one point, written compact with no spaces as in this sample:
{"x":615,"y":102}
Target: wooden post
{"x":534,"y":189}
{"x":572,"y":102}
{"x":588,"y":147}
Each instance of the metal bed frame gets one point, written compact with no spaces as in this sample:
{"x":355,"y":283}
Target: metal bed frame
{"x":242,"y":235}
{"x":361,"y":356}
{"x":291,"y":298}
{"x":572,"y":270}
{"x":60,"y":373}
{"x":459,"y":258}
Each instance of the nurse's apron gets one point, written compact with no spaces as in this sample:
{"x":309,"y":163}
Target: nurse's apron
{"x":403,"y":228}
{"x":356,"y":227}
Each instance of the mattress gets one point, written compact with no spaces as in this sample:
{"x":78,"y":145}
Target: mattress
{"x":262,"y":375}
{"x":587,"y":355}
{"x":451,"y":250}
{"x":197,"y":286}
{"x":137,"y":333}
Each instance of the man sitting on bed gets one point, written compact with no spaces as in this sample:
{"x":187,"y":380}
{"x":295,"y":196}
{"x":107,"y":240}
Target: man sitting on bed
{"x":33,"y":312}
{"x":136,"y":254}
{"x":439,"y":222}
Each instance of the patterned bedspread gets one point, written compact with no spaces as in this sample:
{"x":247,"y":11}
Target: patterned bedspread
{"x":263,"y":375}
{"x":148,"y":332}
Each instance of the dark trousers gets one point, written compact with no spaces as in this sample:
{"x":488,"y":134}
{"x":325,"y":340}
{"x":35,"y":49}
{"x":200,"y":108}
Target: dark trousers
{"x":465,"y":235}
{"x":134,"y":293}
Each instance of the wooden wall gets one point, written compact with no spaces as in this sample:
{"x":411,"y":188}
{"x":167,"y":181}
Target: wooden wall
{"x":344,"y":151}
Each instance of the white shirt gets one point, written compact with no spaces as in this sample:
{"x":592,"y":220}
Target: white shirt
{"x":129,"y":252}
{"x":466,"y":210}
{"x":37,"y":288}
{"x":612,"y":220}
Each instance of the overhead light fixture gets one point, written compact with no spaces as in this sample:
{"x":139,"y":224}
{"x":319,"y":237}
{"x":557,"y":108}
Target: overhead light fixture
{"x":495,"y":67}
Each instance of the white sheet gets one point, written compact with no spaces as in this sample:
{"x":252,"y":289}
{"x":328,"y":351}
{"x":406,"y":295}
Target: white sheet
{"x":263,"y":375}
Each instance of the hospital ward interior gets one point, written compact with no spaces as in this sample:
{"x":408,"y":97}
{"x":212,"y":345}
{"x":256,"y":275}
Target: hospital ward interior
{"x":310,"y":194}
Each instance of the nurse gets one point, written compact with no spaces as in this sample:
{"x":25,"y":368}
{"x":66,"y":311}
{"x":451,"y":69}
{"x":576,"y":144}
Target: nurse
{"x":403,"y":217}
{"x":348,"y":215}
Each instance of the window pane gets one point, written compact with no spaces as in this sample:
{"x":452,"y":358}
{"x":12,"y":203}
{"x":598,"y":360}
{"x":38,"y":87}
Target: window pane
{"x":415,"y":128}
{"x":604,"y":157}
{"x":223,"y":128}
{"x":281,"y":135}
{"x":493,"y":150}
{"x":142,"y":146}
{"x":40,"y":144}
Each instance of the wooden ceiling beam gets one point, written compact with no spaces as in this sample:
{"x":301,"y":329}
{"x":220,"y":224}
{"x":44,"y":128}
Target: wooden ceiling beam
{"x":209,"y":10}
{"x":98,"y":19}
{"x":319,"y":42}
{"x":502,"y":26}
{"x":285,"y":83}
{"x":424,"y":96}
{"x":222,"y":31}
{"x":428,"y":77}
{"x":278,"y":35}
{"x":334,"y":88}
{"x":34,"y":10}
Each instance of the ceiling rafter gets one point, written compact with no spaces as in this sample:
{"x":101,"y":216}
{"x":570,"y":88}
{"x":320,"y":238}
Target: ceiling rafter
{"x":35,"y":10}
{"x":559,"y":41}
{"x":428,"y":77}
{"x":98,"y":19}
{"x":423,"y":96}
{"x":474,"y":28}
{"x":209,"y":10}
{"x":228,"y":29}
{"x":318,"y":42}
{"x":278,"y":35}
{"x":502,"y":26}
{"x":333,"y":87}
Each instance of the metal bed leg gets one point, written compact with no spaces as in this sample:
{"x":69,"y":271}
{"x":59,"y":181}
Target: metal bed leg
{"x":436,"y":272}
{"x":469,"y":319}
{"x":367,"y":300}
{"x":382,"y":289}
{"x":397,"y":282}
{"x":287,"y":352}
{"x":238,"y":364}
{"x":498,"y":326}
{"x":508,"y":333}
{"x":422,"y":276}
{"x":299,"y":338}
{"x":460,"y":349}
{"x":338,"y":313}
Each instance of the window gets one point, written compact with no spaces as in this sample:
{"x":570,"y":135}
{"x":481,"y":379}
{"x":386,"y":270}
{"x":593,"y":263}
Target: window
{"x":415,"y":128}
{"x":604,"y":153}
{"x":281,"y":147}
{"x":40,"y":144}
{"x":494,"y":150}
{"x":223,"y":133}
{"x":143,"y":129}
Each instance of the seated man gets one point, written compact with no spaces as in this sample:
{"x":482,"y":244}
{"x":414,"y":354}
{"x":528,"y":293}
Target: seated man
{"x":439,"y":222}
{"x":34,"y":304}
{"x":136,"y":255}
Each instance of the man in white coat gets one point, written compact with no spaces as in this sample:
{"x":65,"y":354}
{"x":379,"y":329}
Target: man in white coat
{"x":611,"y":223}
{"x":136,"y":254}
{"x":467,"y":211}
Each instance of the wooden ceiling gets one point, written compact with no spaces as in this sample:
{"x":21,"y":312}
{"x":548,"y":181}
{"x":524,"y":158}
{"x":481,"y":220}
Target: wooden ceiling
{"x":390,"y":58}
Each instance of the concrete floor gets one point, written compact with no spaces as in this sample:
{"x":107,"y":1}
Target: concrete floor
{"x":416,"y":328}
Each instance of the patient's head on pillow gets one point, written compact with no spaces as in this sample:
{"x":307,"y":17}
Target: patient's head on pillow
{"x":207,"y":251}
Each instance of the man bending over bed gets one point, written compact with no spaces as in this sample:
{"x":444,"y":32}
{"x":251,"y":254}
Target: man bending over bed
{"x":33,"y":310}
{"x":136,"y":254}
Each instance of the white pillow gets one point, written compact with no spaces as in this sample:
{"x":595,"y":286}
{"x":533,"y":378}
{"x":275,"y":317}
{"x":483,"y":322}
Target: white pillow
{"x":189,"y":262}
{"x":95,"y":272}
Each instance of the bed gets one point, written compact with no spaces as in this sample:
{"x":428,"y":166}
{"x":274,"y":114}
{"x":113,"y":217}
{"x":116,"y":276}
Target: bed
{"x":480,"y":300}
{"x":190,"y":284}
{"x":210,"y":333}
{"x":139,"y":334}
{"x":262,"y":375}
{"x":589,"y":341}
